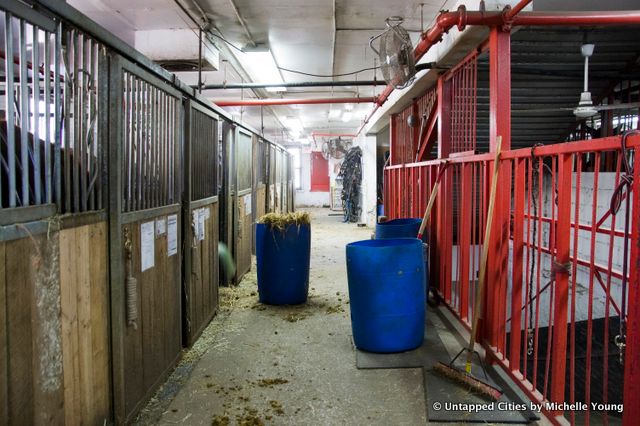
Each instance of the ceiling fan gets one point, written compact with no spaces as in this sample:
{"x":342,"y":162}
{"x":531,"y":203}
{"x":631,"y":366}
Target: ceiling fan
{"x":585,"y":107}
{"x":335,"y":148}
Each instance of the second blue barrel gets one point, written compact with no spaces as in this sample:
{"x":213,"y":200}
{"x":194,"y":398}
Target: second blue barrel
{"x":386,"y":293}
{"x":282,"y":258}
{"x":398,"y":228}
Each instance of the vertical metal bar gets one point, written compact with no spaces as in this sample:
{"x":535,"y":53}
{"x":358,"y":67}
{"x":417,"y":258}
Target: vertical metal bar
{"x":48,"y":163}
{"x":529,"y":273}
{"x":24,"y":113}
{"x":552,"y":258}
{"x":444,"y":118}
{"x":9,"y":108}
{"x":538,"y":254}
{"x":152,"y":147}
{"x":128,"y":136}
{"x":57,"y":116}
{"x":90,"y":111}
{"x":563,"y":246}
{"x":631,"y":394}
{"x":77,"y":112}
{"x":35,"y":77}
{"x":592,"y":257}
{"x":605,"y":375}
{"x":83,"y":78}
{"x":574,"y":272}
{"x":139,"y":144}
{"x":518,"y":251}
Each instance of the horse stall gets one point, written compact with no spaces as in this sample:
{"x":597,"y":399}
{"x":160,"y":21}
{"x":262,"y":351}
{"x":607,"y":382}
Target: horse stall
{"x":145,"y":236}
{"x":200,"y":224}
{"x":54,"y":298}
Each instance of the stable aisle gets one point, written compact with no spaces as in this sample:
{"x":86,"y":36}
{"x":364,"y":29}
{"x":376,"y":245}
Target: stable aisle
{"x":292,"y":365}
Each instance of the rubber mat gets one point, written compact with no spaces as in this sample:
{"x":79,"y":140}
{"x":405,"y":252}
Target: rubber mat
{"x":446,"y":400}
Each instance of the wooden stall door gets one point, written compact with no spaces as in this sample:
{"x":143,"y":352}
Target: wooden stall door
{"x":227,"y":195}
{"x":244,"y":205}
{"x":200,"y":226}
{"x":145,"y":237}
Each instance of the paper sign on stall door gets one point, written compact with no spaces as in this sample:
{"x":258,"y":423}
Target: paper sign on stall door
{"x":147,"y":248}
{"x":172,"y":235}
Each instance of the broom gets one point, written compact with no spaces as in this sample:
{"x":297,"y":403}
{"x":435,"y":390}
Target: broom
{"x":432,"y":199}
{"x":448,"y":370}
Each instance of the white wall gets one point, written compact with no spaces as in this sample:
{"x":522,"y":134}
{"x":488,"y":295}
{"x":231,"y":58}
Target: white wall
{"x":368,"y":188}
{"x":304,"y":197}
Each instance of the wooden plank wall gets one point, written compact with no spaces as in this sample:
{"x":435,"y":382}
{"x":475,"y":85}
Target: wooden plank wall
{"x":54,"y":346}
{"x":84,"y":266}
{"x":152,"y":349}
{"x":202,"y":285}
{"x":244,"y":238}
{"x":261,"y":194}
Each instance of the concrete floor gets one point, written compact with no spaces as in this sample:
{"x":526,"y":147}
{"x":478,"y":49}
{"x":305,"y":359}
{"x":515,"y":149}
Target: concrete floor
{"x":262,"y":364}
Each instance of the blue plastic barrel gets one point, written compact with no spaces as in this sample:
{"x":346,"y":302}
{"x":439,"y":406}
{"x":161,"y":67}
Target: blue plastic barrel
{"x":387,"y":294}
{"x":398,"y":228}
{"x":403,"y":228}
{"x":282,"y":258}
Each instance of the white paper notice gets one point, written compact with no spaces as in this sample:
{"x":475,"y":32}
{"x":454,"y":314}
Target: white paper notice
{"x":247,"y":204}
{"x":201,"y":214}
{"x":161,"y":226}
{"x":147,"y":249}
{"x":172,"y":235}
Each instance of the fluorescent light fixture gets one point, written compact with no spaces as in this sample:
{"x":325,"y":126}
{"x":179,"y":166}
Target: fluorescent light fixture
{"x":294,"y":125}
{"x":334,"y":114}
{"x":263,"y":68}
{"x":348,"y":107}
{"x":347,"y":116}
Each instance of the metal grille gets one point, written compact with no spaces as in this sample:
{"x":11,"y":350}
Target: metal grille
{"x":409,"y":142}
{"x":464,"y":82}
{"x":81,"y":152}
{"x":50,"y":143}
{"x":261,"y":170}
{"x":204,"y":161}
{"x":244,"y":162}
{"x":30,"y":123}
{"x":150,"y":140}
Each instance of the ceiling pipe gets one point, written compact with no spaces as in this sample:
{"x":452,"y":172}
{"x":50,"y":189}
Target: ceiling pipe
{"x":262,"y":102}
{"x":293,"y":84}
{"x":462,"y":18}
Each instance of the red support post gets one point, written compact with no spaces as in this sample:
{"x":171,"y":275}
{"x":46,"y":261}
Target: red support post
{"x":393,"y":141}
{"x":443,"y":229}
{"x":631,"y":395}
{"x":499,"y":125}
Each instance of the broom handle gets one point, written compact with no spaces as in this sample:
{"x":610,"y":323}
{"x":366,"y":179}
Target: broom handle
{"x":432,"y":199}
{"x":483,"y":258}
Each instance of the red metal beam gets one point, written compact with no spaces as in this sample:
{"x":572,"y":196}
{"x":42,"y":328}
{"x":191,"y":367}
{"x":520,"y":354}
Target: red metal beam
{"x":263,"y":102}
{"x":511,"y":13}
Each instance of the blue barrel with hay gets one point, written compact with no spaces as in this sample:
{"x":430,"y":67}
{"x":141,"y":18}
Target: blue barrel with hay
{"x":386,"y":294}
{"x":283,"y":251}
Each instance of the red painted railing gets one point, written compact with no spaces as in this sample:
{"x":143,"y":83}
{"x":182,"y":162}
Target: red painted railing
{"x":563,"y":268}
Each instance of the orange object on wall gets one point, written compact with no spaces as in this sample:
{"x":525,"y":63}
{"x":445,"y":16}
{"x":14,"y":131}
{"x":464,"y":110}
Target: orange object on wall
{"x":319,"y":173}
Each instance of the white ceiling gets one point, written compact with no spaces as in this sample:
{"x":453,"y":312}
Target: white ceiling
{"x":314,"y":36}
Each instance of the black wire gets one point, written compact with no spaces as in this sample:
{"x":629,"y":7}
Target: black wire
{"x":327,"y":75}
{"x":226,"y":41}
